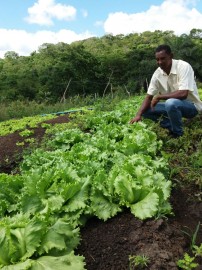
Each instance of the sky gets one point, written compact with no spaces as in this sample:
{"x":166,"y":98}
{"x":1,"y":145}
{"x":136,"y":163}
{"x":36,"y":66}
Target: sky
{"x":27,"y":24}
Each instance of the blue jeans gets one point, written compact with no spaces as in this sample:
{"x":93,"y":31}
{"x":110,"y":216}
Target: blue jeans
{"x":170,"y":114}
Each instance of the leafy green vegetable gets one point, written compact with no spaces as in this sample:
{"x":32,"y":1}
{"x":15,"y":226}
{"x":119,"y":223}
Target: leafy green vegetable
{"x":74,"y":176}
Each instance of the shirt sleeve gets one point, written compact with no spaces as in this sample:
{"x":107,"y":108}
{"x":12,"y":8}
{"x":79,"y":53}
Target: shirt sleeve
{"x":185,"y":77}
{"x":153,"y":86}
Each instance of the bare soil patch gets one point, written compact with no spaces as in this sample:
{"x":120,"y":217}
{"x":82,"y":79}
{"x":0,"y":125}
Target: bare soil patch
{"x":108,"y":245}
{"x":11,"y":153}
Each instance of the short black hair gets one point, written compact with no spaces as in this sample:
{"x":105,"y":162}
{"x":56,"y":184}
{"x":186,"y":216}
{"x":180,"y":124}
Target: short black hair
{"x":164,"y":47}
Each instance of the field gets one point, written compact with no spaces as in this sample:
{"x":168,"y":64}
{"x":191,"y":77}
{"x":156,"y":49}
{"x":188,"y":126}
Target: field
{"x":108,"y":230}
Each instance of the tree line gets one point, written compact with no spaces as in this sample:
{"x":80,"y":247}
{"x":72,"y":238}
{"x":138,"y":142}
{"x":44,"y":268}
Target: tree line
{"x":94,"y":66}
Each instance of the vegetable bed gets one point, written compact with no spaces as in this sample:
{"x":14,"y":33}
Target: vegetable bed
{"x":91,"y":199}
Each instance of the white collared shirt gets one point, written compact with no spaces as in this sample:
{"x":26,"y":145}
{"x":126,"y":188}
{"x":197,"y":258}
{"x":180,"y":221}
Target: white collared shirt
{"x":181,"y":77}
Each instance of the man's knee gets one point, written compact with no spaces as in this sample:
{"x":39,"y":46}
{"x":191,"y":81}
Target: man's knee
{"x":172,"y":103}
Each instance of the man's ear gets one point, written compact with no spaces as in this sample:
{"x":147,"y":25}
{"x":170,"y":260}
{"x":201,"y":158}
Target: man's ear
{"x":171,"y":55}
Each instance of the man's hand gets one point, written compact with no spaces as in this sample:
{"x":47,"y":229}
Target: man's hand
{"x":154,"y":101}
{"x":145,"y":106}
{"x":135,"y":119}
{"x":179,"y":94}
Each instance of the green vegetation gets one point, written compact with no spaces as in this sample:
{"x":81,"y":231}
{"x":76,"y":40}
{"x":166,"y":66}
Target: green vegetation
{"x":26,"y":133}
{"x":138,"y":262}
{"x":76,"y":175}
{"x":193,"y":236}
{"x":187,"y":262}
{"x":13,"y":125}
{"x":19,"y":109}
{"x":120,"y":165}
{"x":43,"y":206}
{"x":93,"y":67}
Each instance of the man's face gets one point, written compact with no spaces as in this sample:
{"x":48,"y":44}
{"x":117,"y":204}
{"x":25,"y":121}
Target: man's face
{"x":164,"y":61}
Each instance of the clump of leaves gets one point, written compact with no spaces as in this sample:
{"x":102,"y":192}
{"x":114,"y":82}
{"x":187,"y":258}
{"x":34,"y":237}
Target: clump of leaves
{"x":187,"y":262}
{"x":197,"y":250}
{"x":26,"y":133}
{"x":138,"y":262}
{"x":20,"y":143}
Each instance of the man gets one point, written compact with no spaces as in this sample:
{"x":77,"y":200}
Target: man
{"x":173,"y":83}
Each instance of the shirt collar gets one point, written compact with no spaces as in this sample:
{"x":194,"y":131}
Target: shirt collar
{"x":173,"y":68}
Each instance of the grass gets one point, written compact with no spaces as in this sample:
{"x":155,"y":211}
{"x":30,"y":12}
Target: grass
{"x":19,"y":109}
{"x":185,"y":154}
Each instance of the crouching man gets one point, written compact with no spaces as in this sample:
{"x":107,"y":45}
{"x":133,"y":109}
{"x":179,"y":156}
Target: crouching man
{"x":172,"y":93}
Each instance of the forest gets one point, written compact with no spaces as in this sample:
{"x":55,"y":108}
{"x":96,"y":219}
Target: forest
{"x":95,"y":66}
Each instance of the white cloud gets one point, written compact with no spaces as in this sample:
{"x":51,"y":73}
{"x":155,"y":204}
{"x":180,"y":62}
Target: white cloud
{"x":176,"y":15}
{"x":24,"y":43}
{"x":44,"y":11}
{"x":84,"y":13}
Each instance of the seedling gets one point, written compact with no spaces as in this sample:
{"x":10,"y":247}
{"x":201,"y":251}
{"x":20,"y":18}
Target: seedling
{"x":30,"y":140}
{"x":187,"y":262}
{"x":45,"y":125}
{"x":138,"y":261}
{"x":197,"y":250}
{"x":193,"y":237}
{"x":20,"y":143}
{"x":26,"y":133}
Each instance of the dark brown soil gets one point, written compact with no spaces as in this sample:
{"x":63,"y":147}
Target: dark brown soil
{"x":108,"y":245}
{"x":10,"y":153}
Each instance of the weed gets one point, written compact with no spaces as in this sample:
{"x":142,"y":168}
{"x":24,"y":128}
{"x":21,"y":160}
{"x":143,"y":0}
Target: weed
{"x":193,"y":236}
{"x":187,"y":262}
{"x":197,"y":250}
{"x":138,"y":261}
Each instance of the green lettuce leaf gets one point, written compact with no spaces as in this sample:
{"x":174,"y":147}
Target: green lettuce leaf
{"x":147,"y":207}
{"x":103,"y":207}
{"x":60,"y":236}
{"x":19,"y":266}
{"x":67,"y":262}
{"x":19,"y":238}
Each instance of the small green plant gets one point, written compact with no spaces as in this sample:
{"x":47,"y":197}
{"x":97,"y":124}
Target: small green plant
{"x":187,"y":262}
{"x":30,"y":140}
{"x":193,"y":236}
{"x":197,"y":250}
{"x":26,"y":133}
{"x":45,"y":125}
{"x":138,"y":261}
{"x":20,"y":143}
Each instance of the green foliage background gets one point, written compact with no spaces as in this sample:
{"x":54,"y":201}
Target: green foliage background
{"x":95,"y":66}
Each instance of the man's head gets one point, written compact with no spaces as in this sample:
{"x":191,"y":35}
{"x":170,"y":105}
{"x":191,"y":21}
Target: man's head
{"x":164,"y":57}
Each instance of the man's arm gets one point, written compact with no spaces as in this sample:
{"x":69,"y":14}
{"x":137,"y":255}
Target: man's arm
{"x":179,"y":94}
{"x":145,"y":105}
